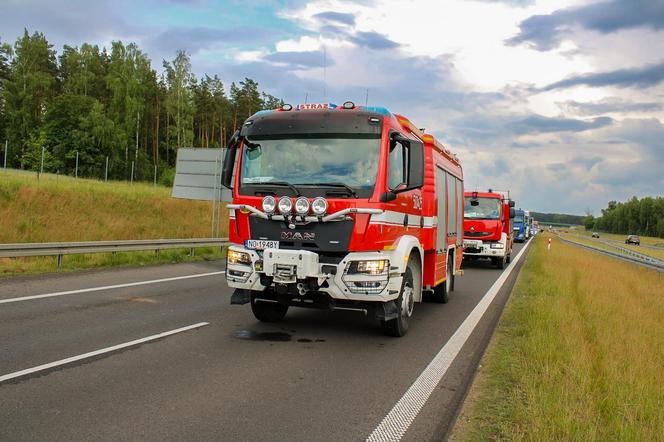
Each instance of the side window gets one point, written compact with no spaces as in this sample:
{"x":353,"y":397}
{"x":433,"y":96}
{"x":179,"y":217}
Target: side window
{"x":398,"y":165}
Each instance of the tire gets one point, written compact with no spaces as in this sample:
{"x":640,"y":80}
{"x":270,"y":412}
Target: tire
{"x":268,"y":311}
{"x":441,"y":293}
{"x":501,"y":263}
{"x":398,"y":327}
{"x":509,"y":258}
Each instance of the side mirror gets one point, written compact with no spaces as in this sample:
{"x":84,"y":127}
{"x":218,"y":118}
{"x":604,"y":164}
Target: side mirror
{"x":512,"y":204}
{"x":512,"y":213}
{"x":229,"y":160}
{"x":388,"y":196}
{"x":415,"y":165}
{"x":474,"y":203}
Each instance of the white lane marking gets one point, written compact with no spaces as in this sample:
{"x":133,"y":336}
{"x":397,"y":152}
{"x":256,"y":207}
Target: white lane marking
{"x":396,"y":423}
{"x":91,"y":354}
{"x":108,"y":287}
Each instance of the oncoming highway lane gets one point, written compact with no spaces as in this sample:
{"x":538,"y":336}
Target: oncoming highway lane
{"x":316,"y":375}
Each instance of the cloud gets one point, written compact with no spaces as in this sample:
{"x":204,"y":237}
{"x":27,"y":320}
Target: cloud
{"x":194,"y":39}
{"x":545,"y":32}
{"x":337,"y":17}
{"x":608,"y":105}
{"x":539,"y":124}
{"x":645,"y":76}
{"x":518,"y":3}
{"x":299,"y":59}
{"x":373,"y":40}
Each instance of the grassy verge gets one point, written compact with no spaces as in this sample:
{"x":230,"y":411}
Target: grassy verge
{"x":577,"y":354}
{"x":57,"y":208}
{"x":612,"y":246}
{"x":646,"y":240}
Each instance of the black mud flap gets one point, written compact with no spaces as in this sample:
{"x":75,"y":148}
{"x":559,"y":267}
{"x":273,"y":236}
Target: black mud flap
{"x":241,"y":296}
{"x":387,"y":311}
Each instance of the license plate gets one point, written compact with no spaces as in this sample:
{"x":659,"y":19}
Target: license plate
{"x":261,"y":244}
{"x":472,"y":243}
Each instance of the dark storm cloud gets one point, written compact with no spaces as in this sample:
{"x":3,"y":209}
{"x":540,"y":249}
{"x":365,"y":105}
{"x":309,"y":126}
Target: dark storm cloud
{"x":300,"y":59}
{"x":489,"y":128}
{"x":608,"y":105}
{"x":518,"y":3}
{"x":338,"y":17}
{"x":373,"y":40}
{"x":645,"y":76}
{"x":540,"y":124}
{"x":70,"y":24}
{"x":195,"y":38}
{"x":545,"y":32}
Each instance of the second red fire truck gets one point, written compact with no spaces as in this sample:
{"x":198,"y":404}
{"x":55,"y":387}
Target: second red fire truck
{"x":487,"y":226}
{"x":341,"y":207}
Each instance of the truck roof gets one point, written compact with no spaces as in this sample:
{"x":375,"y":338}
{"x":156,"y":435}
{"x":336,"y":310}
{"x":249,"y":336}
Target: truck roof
{"x":484,"y":195}
{"x":360,"y":120}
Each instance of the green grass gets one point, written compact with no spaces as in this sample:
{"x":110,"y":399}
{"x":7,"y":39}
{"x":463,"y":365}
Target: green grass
{"x":577,"y":354}
{"x":57,"y":208}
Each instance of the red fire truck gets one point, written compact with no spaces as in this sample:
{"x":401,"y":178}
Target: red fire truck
{"x":341,"y":207}
{"x":487,"y":226}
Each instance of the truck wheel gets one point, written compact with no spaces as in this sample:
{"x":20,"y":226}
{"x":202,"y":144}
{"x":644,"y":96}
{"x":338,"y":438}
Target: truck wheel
{"x":441,"y":293}
{"x":501,"y":263}
{"x":405,"y":303}
{"x":509,"y":258}
{"x":268,"y":311}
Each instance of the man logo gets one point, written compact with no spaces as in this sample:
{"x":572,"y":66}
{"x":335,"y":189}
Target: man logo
{"x":298,"y":236}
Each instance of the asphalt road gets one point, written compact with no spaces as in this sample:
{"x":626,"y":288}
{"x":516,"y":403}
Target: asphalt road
{"x":314,"y":376}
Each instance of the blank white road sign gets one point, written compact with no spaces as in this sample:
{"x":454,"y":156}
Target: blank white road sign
{"x":198,"y":175}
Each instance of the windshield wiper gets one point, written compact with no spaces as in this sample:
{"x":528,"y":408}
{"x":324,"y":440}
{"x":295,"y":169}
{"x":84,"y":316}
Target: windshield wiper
{"x":349,"y":189}
{"x":279,"y":183}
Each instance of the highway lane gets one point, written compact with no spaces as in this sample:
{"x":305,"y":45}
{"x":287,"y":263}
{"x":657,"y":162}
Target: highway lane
{"x":317,"y":375}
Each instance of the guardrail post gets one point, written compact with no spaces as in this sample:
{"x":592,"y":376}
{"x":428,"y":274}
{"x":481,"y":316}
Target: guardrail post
{"x":191,"y":251}
{"x":60,"y":258}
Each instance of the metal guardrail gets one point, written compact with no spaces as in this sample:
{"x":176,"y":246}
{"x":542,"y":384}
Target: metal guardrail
{"x":650,"y":263}
{"x":60,"y":249}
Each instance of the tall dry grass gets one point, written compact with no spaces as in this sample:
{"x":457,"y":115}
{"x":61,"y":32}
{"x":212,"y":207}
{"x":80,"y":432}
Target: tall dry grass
{"x":578,"y":354}
{"x":56,"y":208}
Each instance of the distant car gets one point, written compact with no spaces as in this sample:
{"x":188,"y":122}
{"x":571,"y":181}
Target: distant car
{"x":595,"y":235}
{"x":633,"y":239}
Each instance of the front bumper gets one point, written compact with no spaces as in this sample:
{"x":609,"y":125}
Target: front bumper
{"x":300,"y":269}
{"x":483,"y":249}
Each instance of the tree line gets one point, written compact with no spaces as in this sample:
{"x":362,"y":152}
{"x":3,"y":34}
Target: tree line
{"x":643,"y":216}
{"x":557,"y":218}
{"x":95,"y":104}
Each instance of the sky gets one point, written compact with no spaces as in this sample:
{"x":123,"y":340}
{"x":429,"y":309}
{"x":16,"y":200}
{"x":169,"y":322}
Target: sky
{"x":559,"y":101}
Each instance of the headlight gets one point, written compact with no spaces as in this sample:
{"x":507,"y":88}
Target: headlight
{"x":497,"y":245}
{"x":269,"y":204}
{"x":373,"y":267}
{"x":302,"y":206}
{"x":235,"y":257}
{"x":285,"y":205}
{"x":319,"y":206}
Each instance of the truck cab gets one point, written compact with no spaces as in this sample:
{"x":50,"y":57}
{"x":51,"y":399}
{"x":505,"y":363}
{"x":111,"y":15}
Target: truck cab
{"x":520,"y":226}
{"x":341,"y":208}
{"x":487,"y":227}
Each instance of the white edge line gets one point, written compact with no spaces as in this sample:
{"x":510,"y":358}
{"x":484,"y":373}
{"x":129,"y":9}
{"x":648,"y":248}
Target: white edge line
{"x":27,"y":371}
{"x":107,"y":287}
{"x":395,"y":424}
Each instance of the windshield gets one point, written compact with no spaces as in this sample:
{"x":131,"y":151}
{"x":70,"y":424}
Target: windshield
{"x":487,"y":208}
{"x":313,"y":161}
{"x":518,"y":219}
